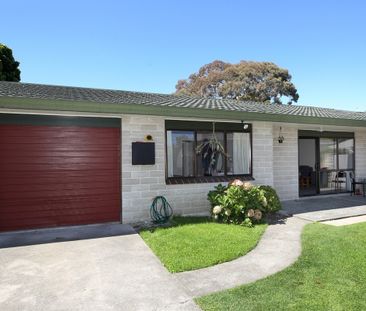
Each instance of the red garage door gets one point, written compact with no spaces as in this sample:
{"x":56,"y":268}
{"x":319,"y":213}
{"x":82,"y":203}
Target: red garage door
{"x":57,"y":171}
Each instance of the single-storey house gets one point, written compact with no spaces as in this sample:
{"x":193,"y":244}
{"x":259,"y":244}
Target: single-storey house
{"x":72,"y":156}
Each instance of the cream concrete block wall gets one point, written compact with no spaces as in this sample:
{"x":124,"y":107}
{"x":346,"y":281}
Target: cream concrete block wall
{"x":262,"y":153}
{"x":141,"y":183}
{"x":285,"y":162}
{"x":274,"y":164}
{"x":360,"y":142}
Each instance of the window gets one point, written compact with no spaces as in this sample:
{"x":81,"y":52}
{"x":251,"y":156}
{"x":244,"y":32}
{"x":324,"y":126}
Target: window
{"x":185,"y":162}
{"x":328,"y":153}
{"x":346,"y":151}
{"x":205,"y":166}
{"x":180,"y":153}
{"x":239,"y":153}
{"x":337,"y":153}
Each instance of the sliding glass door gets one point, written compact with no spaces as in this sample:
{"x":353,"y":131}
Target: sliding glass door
{"x":333,"y":155}
{"x":328,"y":164}
{"x":308,"y":150}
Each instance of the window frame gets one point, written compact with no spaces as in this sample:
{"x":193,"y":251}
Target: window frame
{"x":204,"y":126}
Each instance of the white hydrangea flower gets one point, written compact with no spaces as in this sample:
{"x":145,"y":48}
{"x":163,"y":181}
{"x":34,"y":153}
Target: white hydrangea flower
{"x":257,"y":214}
{"x":247,"y":185}
{"x":237,"y":182}
{"x":217,"y":209}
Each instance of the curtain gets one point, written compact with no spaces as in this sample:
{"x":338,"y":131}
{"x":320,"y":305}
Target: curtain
{"x":169,"y":143}
{"x":187,"y":158}
{"x":241,"y":153}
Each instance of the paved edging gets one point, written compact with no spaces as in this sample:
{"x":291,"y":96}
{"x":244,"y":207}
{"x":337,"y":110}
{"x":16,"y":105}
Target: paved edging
{"x":279,"y":247}
{"x":345,"y":221}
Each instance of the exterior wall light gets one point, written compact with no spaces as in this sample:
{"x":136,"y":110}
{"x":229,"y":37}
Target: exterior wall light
{"x":280,"y":136}
{"x":148,"y":137}
{"x":245,"y":125}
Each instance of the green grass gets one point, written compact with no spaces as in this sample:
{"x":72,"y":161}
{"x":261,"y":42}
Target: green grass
{"x":329,"y":275}
{"x":197,"y":242}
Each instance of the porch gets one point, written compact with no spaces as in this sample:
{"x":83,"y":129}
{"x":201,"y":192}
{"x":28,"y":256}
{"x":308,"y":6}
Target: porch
{"x":326,"y":207}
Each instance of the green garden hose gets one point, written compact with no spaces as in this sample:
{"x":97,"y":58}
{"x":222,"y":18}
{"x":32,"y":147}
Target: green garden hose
{"x":160,"y":210}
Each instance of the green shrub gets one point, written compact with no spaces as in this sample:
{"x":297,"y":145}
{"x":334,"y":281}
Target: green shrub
{"x":213,"y":194}
{"x":242,"y":203}
{"x":273,"y":201}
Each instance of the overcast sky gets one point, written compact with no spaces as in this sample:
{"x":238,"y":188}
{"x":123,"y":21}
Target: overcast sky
{"x":149,"y":45}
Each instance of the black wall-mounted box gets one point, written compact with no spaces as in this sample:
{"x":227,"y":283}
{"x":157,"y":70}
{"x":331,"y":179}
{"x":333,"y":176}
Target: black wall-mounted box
{"x":143,"y":153}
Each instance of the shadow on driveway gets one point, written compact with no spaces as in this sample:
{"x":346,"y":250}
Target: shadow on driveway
{"x":63,"y":234}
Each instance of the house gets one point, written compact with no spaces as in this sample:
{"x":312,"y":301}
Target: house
{"x":72,"y":156}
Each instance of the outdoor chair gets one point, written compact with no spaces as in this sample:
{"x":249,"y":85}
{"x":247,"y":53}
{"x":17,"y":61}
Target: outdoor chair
{"x":339,"y":181}
{"x":306,"y":173}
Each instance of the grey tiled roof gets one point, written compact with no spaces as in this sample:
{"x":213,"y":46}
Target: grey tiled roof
{"x":50,"y":92}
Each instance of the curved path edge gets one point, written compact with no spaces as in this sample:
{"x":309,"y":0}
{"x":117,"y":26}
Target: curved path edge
{"x":279,"y":247}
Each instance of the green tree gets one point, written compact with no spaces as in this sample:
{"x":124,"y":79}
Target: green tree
{"x":9,"y":70}
{"x":254,"y":81}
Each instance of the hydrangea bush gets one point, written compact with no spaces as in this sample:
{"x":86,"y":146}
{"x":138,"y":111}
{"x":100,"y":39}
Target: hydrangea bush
{"x":242,"y":203}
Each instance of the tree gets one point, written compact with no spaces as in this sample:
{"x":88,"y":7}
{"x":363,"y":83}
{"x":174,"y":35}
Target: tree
{"x":254,"y":81}
{"x":8,"y":66}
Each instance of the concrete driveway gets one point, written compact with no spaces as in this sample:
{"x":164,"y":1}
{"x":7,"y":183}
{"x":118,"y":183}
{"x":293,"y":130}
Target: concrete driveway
{"x":109,"y":273}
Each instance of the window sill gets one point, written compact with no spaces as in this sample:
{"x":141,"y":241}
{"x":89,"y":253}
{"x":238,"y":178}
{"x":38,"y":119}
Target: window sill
{"x":205,"y":179}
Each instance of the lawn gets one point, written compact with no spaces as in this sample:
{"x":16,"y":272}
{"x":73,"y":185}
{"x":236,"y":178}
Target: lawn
{"x":329,"y":275}
{"x":197,"y":242}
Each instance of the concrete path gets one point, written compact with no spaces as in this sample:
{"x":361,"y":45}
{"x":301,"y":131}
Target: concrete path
{"x":279,"y":247}
{"x":346,"y":221}
{"x":326,"y":208}
{"x":110,"y":273}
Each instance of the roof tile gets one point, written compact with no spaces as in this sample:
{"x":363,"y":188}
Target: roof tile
{"x":52,"y":92}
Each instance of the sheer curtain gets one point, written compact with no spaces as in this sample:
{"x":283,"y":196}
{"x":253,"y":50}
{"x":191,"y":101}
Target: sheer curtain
{"x":241,"y":153}
{"x":169,"y":143}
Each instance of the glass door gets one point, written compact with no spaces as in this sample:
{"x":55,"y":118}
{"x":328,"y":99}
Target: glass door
{"x":308,"y":181}
{"x":326,"y":162}
{"x":328,"y":165}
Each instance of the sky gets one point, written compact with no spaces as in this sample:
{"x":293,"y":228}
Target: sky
{"x":149,"y":45}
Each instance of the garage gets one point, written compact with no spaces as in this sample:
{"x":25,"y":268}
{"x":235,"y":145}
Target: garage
{"x":59,"y":171}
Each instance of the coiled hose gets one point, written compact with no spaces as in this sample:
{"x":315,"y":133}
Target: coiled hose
{"x":160,"y":210}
